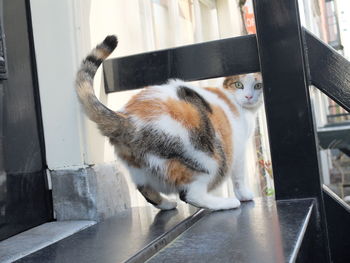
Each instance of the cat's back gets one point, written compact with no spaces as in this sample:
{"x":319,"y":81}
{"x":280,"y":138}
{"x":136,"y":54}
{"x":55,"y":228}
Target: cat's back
{"x":183,"y":103}
{"x":174,"y":105}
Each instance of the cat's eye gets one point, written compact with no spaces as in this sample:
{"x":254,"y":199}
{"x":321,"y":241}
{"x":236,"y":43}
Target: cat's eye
{"x":237,"y":85}
{"x":258,"y":86}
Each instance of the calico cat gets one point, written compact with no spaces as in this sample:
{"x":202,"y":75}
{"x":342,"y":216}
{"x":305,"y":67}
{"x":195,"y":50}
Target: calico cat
{"x":177,"y":138}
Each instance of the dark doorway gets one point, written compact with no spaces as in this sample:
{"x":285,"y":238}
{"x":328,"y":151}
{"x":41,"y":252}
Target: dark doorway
{"x":24,"y":195}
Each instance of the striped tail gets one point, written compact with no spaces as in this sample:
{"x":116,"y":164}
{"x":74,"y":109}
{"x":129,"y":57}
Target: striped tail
{"x":107,"y":120}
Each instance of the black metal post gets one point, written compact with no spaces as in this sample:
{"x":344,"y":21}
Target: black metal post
{"x":2,"y":76}
{"x":329,"y":71}
{"x":284,"y":69}
{"x":288,"y":108}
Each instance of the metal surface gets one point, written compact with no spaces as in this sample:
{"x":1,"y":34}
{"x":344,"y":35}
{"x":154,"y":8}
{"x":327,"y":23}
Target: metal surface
{"x":3,"y":70}
{"x":194,"y":62}
{"x":338,"y":223}
{"x":309,"y":249}
{"x":3,"y":189}
{"x":24,"y":199}
{"x":34,"y":239}
{"x":3,"y":58}
{"x":2,"y":168}
{"x":291,"y":132}
{"x":335,"y":137}
{"x":329,"y":71}
{"x":132,"y":236}
{"x":262,"y":231}
{"x":24,"y":205}
{"x":292,"y":140}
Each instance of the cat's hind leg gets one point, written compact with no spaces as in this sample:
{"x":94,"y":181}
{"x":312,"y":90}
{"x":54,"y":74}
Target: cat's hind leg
{"x":196,"y":193}
{"x":153,"y":197}
{"x":143,"y":182}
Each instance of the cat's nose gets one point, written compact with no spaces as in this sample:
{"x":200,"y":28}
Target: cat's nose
{"x":249,"y":97}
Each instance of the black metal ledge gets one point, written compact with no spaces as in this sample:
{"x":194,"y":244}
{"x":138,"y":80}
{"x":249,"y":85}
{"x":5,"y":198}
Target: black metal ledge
{"x":263,"y":231}
{"x":212,"y":59}
{"x":132,"y":236}
{"x":259,"y":231}
{"x":338,"y":224}
{"x":329,"y":71}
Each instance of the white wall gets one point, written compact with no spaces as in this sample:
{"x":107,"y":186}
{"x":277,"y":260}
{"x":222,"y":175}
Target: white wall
{"x":64,"y":32}
{"x":229,"y":14}
{"x":343,"y":8}
{"x":56,"y":57}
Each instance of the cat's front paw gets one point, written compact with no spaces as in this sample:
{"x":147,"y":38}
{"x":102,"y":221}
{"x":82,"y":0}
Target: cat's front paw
{"x":244,"y":194}
{"x":224,"y":204}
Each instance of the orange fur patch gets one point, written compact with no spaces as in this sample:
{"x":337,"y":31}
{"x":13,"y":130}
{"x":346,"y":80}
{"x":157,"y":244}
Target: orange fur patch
{"x":150,"y":109}
{"x":220,"y":122}
{"x":229,"y":81}
{"x":178,"y":174}
{"x":144,"y":109}
{"x":222,"y":96}
{"x":102,"y":53}
{"x":183,"y":112}
{"x":257,"y":77}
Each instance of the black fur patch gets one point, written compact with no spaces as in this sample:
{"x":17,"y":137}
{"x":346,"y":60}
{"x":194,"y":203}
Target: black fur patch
{"x":223,"y":162}
{"x":111,"y":42}
{"x":193,"y":97}
{"x":149,"y":140}
{"x":182,"y":195}
{"x":93,"y":59}
{"x":203,"y":137}
{"x":90,"y":71}
{"x":152,"y":202}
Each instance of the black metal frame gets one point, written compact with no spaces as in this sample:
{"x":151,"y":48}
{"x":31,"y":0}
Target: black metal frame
{"x":290,"y":59}
{"x":27,"y":202}
{"x":193,"y":62}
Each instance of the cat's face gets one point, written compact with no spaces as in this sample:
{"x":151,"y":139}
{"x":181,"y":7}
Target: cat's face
{"x":246,"y":89}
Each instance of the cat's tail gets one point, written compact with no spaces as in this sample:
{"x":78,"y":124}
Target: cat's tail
{"x":107,"y":120}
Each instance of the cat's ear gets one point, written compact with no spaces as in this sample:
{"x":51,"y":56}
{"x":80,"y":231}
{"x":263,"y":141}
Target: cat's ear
{"x":229,"y":80}
{"x":257,"y":77}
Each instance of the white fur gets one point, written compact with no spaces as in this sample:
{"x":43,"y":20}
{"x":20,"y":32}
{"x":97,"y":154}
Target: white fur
{"x":243,"y":132}
{"x":198,"y":195}
{"x":167,"y":205}
{"x":241,"y":96}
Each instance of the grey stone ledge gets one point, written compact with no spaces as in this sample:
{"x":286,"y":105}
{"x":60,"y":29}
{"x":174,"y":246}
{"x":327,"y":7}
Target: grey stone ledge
{"x":93,"y":193}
